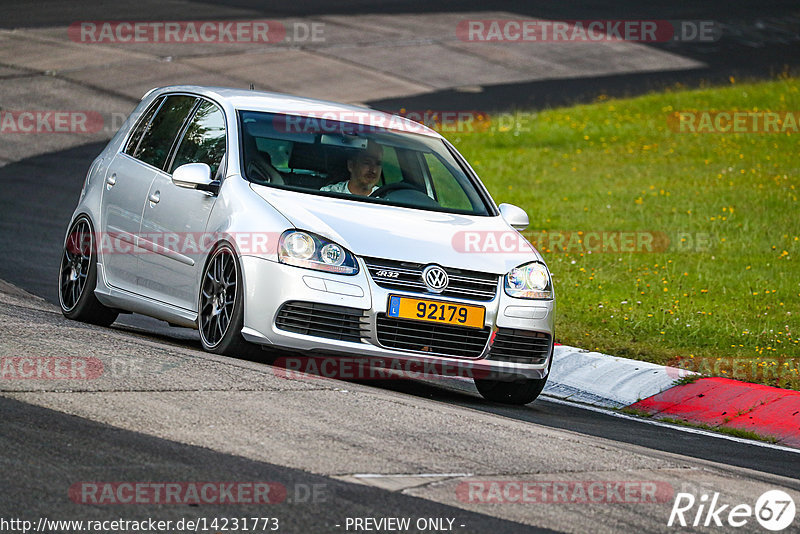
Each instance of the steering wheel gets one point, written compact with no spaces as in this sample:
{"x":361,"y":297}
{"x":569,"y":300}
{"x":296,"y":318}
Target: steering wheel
{"x":384,"y":191}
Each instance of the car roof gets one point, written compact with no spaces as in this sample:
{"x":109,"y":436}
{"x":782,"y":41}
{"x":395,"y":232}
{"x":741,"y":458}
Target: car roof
{"x":251,"y":100}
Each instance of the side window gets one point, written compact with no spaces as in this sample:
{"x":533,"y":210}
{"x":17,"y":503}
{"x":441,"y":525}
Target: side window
{"x":450,"y":193}
{"x":391,"y":166}
{"x":204,"y":139}
{"x":144,"y":120}
{"x":161,"y":132}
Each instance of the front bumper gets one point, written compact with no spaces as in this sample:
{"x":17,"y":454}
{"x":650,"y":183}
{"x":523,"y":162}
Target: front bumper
{"x":269,"y":285}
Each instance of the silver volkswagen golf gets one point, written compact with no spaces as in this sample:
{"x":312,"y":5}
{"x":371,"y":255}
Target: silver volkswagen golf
{"x":299,"y":224}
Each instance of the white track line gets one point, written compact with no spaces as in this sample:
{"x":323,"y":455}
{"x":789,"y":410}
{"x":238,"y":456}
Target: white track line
{"x":681,"y":428}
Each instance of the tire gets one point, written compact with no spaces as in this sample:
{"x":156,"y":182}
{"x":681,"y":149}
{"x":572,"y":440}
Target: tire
{"x":77,"y":277}
{"x":519,"y":393}
{"x":220,"y":317}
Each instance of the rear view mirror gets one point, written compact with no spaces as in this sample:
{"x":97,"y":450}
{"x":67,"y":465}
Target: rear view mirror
{"x":349,"y":141}
{"x":195,"y":176}
{"x":514,"y":216}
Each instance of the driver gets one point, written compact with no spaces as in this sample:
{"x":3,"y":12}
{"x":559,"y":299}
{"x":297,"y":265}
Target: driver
{"x":365,"y":170}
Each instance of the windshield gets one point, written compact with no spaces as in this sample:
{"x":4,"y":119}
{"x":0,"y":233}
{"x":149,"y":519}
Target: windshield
{"x":356,"y":161}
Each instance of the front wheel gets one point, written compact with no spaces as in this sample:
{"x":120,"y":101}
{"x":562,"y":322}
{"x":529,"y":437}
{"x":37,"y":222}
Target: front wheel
{"x":517,"y":393}
{"x":77,"y":278}
{"x":221,"y":306}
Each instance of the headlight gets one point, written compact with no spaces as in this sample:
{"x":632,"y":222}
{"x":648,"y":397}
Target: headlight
{"x":529,"y":281}
{"x":304,"y":249}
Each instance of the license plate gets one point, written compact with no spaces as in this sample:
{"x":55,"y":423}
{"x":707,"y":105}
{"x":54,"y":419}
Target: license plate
{"x":434,"y":311}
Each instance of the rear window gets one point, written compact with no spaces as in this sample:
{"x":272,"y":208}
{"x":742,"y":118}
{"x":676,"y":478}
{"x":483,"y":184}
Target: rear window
{"x":144,"y":122}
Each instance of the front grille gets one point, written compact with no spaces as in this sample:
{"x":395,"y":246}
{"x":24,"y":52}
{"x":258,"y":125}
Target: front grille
{"x":520,"y":346}
{"x":321,"y":320}
{"x":431,"y":338}
{"x":463,"y":284}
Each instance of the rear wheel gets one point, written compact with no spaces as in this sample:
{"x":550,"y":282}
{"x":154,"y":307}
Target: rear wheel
{"x":78,"y":277}
{"x":221,"y":306}
{"x":521,"y":392}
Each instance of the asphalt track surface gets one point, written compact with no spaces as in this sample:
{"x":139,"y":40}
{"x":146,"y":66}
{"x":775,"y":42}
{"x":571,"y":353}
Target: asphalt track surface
{"x":44,"y":450}
{"x":134,"y":456}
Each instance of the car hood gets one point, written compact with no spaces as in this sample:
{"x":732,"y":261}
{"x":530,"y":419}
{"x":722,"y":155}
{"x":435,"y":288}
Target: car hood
{"x":486,"y":244}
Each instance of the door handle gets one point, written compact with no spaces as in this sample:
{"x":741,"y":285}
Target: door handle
{"x":111,"y":180}
{"x":154,"y":197}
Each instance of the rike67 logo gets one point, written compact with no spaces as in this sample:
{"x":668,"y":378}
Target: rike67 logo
{"x":774,"y":510}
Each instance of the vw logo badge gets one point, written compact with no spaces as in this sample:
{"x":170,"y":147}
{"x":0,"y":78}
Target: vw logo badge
{"x":435,"y":278}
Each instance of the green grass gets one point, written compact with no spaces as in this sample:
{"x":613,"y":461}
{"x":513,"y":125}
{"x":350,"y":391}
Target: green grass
{"x":736,"y":432}
{"x":723,"y":297}
{"x":635,"y":412}
{"x":688,"y":379}
{"x":731,"y":431}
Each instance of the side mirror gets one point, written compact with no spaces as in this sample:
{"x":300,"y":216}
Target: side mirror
{"x":514,"y":216}
{"x":195,"y":176}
